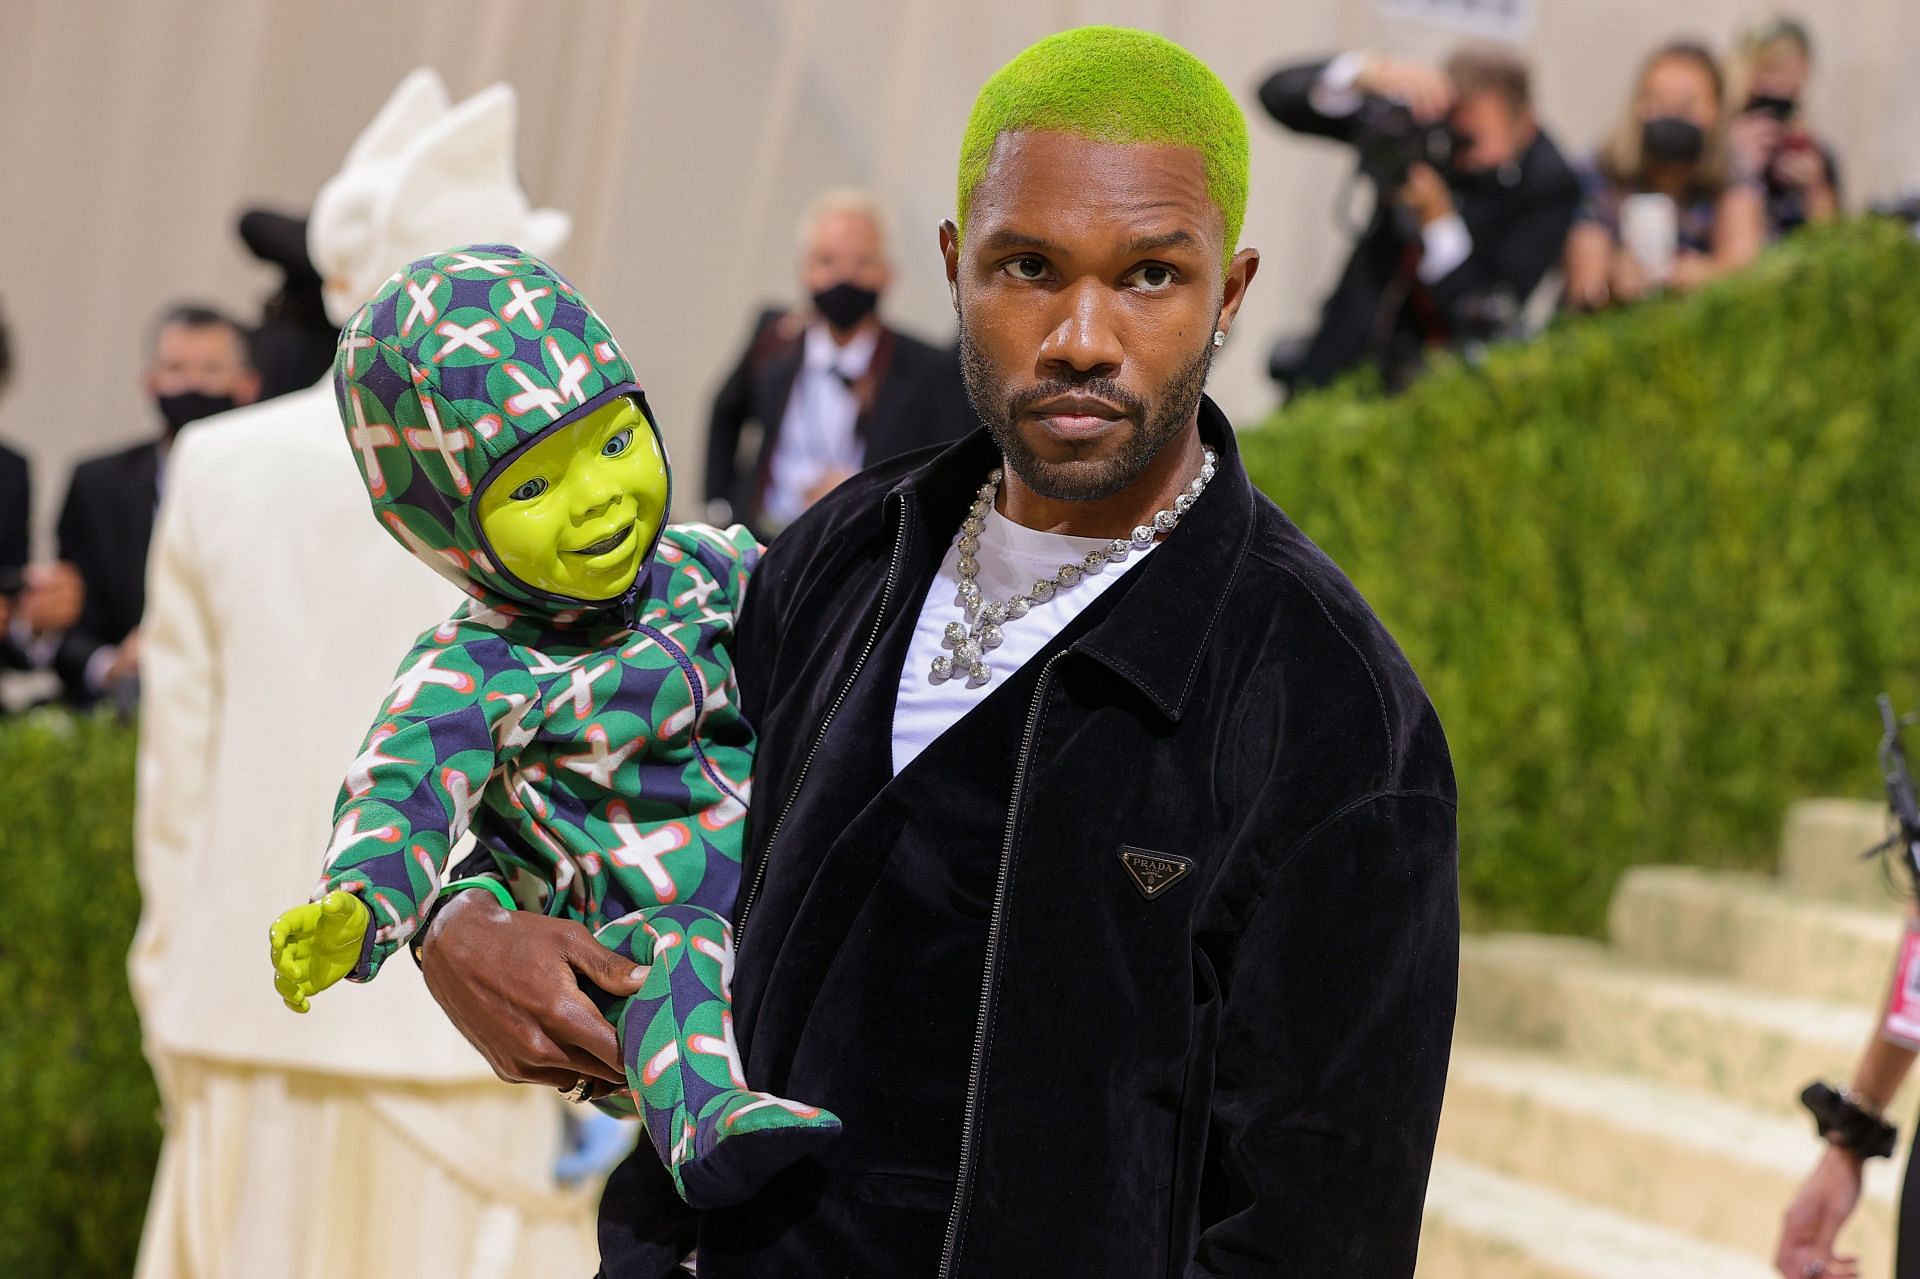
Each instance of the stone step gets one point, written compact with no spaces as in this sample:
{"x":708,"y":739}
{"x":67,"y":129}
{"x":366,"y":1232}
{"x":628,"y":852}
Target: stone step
{"x":1482,"y":1225}
{"x":1747,"y":928}
{"x":1820,"y":847}
{"x":1682,"y":1160}
{"x":1711,"y":1035}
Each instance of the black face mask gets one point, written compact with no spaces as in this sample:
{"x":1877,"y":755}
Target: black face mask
{"x":190,"y":406}
{"x":1780,"y":109}
{"x":845,"y":304}
{"x":1668,"y":139}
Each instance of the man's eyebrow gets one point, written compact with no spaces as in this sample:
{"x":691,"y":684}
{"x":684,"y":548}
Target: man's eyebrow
{"x":1007,"y":238}
{"x":1163,"y":240}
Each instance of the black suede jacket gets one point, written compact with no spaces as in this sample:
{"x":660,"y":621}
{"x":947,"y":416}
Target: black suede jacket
{"x":1210,"y":1027}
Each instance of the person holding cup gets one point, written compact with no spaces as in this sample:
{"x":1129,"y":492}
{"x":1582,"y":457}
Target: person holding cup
{"x":1662,"y":208}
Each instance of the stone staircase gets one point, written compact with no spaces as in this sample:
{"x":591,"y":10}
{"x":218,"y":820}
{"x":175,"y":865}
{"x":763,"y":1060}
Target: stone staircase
{"x":1630,"y":1109}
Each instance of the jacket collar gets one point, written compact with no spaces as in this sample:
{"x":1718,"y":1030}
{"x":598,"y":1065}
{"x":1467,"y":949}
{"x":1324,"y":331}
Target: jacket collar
{"x":1158,"y":630}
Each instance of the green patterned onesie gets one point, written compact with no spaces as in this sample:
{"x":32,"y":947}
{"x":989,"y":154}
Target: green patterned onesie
{"x":598,"y":752}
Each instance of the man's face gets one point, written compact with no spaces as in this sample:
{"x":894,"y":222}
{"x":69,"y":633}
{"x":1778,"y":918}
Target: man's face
{"x":1089,"y":289}
{"x":844,"y":247}
{"x":207,"y":358}
{"x":1499,"y":132}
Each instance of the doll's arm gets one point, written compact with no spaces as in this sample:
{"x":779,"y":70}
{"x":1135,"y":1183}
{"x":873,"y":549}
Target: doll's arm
{"x":453,"y":715}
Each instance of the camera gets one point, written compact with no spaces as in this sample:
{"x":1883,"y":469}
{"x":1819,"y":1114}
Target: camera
{"x":1391,"y":142}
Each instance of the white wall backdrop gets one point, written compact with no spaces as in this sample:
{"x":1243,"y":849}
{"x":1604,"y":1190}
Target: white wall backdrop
{"x":684,"y":138}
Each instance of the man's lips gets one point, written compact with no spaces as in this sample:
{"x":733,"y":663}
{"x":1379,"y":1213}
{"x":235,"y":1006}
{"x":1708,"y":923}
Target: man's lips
{"x":611,"y":542}
{"x":1077,"y":415}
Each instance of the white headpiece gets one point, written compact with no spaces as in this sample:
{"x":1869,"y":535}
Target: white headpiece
{"x":426,"y":174}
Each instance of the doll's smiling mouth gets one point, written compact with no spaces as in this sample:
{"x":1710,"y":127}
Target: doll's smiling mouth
{"x":613,"y":542}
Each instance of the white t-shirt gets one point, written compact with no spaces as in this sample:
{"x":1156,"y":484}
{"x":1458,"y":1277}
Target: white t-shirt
{"x":1011,"y":558}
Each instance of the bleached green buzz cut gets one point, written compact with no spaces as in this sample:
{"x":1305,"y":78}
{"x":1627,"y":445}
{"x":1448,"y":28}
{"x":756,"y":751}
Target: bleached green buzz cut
{"x":1113,"y":84}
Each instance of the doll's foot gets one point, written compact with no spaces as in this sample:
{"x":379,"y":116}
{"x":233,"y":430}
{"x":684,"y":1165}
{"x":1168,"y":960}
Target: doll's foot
{"x":743,"y":1139}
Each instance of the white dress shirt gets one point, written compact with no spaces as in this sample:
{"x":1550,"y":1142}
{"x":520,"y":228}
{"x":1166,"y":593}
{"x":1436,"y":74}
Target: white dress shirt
{"x":817,"y":435}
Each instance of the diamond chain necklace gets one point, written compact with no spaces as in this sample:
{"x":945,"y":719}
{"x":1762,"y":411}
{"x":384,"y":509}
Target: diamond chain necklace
{"x":972,"y":642}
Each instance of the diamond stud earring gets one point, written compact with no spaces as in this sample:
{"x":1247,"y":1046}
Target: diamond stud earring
{"x":1219,"y":338}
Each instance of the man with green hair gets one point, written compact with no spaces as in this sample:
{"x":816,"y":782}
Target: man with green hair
{"x":1101,"y":872}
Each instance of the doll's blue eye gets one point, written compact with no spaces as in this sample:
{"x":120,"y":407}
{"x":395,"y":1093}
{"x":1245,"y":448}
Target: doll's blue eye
{"x":618,"y":444}
{"x":531,"y":489}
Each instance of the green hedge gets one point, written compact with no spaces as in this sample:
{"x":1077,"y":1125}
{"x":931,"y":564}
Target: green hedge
{"x":79,"y":1127}
{"x":1652,"y":568}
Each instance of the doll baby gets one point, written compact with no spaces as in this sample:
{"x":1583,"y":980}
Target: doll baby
{"x":577,"y":712}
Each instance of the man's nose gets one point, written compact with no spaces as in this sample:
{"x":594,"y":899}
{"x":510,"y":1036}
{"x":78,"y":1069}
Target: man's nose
{"x":1086,"y":340}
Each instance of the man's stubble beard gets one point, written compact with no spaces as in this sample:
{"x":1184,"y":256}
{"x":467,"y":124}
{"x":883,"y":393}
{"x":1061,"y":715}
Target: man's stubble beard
{"x":1083,"y":480}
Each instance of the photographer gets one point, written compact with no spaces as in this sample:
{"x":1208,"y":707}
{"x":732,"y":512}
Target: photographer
{"x":1473,"y":204}
{"x":1769,"y":138}
{"x":15,"y":507}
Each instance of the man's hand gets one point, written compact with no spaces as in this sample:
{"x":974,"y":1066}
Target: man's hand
{"x":830,"y":479}
{"x":126,"y":660}
{"x":53,"y":596}
{"x":510,"y":982}
{"x":1425,"y":193}
{"x":1814,"y":1218}
{"x":1426,"y":90}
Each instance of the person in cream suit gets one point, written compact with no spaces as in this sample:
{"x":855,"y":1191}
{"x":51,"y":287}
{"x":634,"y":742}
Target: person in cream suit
{"x":367,"y":1137}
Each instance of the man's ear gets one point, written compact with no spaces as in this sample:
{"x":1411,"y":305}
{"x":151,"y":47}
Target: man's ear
{"x":246,"y":387}
{"x":1240,"y":274}
{"x":950,"y":252}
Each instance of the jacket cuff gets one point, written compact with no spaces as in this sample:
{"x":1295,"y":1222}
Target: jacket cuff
{"x":373,"y":950}
{"x":1333,"y":94}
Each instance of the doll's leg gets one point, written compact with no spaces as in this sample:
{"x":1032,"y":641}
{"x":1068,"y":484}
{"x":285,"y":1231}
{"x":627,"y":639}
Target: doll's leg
{"x":720,"y":1139}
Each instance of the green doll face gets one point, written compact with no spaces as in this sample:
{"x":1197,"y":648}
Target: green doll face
{"x":574,"y":513}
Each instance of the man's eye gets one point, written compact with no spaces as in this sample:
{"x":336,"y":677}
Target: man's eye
{"x":1026,"y":268}
{"x":618,"y":444}
{"x":1152,"y":277}
{"x":531,"y":489}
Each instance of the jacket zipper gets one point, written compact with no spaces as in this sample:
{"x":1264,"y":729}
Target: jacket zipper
{"x":949,"y":1255}
{"x":699,"y":705}
{"x":826,"y":722}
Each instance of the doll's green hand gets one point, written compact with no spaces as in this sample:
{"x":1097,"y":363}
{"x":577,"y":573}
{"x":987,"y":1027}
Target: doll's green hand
{"x":316,"y":945}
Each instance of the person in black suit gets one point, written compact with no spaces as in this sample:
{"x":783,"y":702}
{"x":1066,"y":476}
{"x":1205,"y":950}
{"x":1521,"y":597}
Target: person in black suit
{"x":1450,"y":254}
{"x":832,"y":388}
{"x":15,"y":500}
{"x":15,"y":505}
{"x":200,"y":366}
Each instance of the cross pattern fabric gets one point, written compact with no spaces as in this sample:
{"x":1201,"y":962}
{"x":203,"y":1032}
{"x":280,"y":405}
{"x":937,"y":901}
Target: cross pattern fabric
{"x":596,"y":750}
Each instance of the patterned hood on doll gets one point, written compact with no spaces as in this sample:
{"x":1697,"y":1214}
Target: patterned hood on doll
{"x":460,"y":361}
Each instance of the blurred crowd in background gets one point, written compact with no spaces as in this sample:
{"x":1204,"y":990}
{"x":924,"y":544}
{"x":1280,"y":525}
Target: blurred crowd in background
{"x":1471,"y":223}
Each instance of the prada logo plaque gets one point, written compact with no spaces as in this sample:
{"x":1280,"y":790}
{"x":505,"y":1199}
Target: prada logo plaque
{"x":1154,"y":873}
